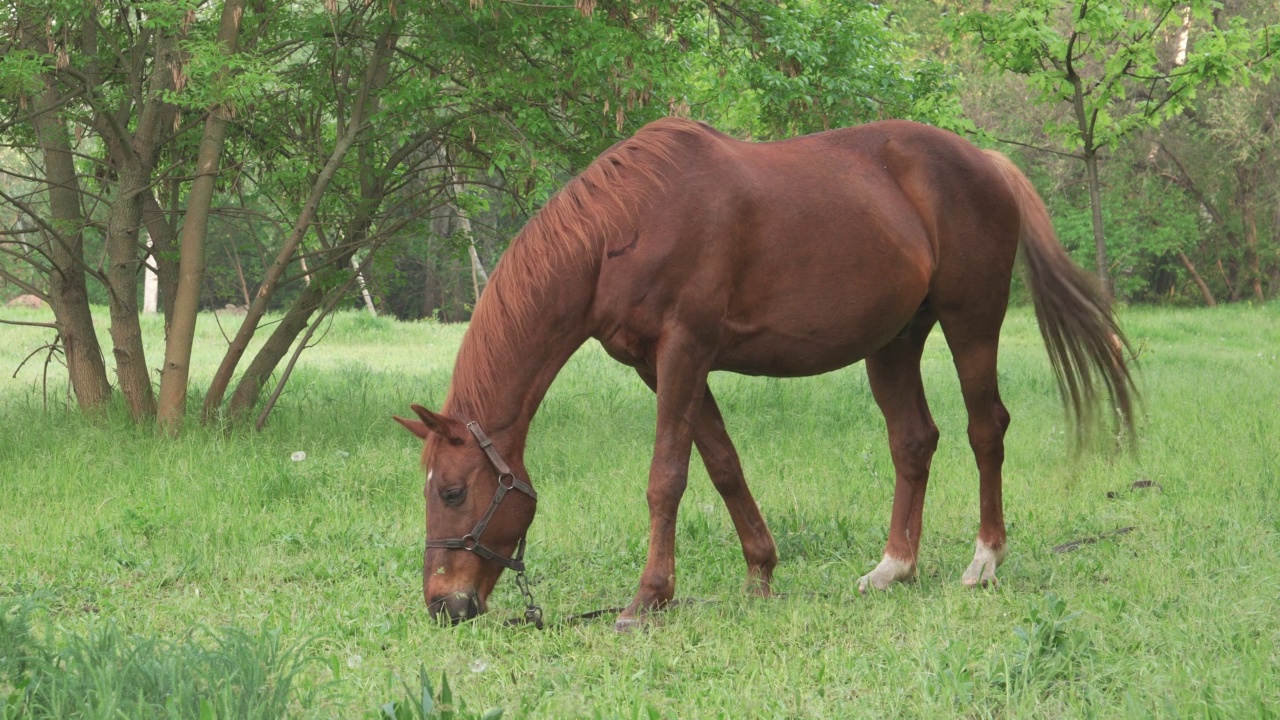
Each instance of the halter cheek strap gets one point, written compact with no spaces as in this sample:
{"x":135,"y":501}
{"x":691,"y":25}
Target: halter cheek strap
{"x":506,"y":481}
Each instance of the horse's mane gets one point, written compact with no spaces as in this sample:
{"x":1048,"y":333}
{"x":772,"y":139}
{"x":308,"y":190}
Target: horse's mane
{"x":567,"y":235}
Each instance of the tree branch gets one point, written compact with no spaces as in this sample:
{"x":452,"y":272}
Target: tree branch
{"x":26,"y":323}
{"x":57,"y":236}
{"x":120,"y":133}
{"x":10,"y":277}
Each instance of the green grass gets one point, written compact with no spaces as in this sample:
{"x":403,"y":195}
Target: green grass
{"x":167,"y":546}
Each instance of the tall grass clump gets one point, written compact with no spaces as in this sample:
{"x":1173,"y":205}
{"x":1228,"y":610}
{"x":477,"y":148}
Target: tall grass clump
{"x":106,"y":673}
{"x":424,"y":702}
{"x":1050,"y":649}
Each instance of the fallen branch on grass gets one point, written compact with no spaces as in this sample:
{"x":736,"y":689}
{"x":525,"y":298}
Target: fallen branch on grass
{"x":1077,"y":544}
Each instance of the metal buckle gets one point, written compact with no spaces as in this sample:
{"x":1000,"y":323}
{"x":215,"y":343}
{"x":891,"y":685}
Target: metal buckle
{"x":532,"y":613}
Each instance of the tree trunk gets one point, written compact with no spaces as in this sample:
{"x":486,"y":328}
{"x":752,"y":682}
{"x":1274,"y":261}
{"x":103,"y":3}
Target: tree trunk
{"x":132,"y":155}
{"x":1184,"y":34}
{"x":1086,"y":124}
{"x":1274,"y":274}
{"x":258,"y":308}
{"x":1249,"y":225}
{"x":1099,"y":235}
{"x":479,"y":278}
{"x":1251,"y":244}
{"x":244,"y":284}
{"x":1204,"y":287}
{"x":176,"y":369}
{"x":364,"y":288}
{"x":375,"y":75}
{"x":122,"y":290}
{"x":1229,"y":279}
{"x":164,"y":250}
{"x":255,"y":377}
{"x":67,"y":283}
{"x":150,"y":282}
{"x":334,"y":299}
{"x":299,"y":315}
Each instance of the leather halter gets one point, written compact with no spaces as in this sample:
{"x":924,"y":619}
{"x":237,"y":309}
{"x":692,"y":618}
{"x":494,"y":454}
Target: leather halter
{"x":506,"y":481}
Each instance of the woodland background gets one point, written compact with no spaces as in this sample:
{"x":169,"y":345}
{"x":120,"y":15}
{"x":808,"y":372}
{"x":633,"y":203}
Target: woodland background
{"x":291,"y":158}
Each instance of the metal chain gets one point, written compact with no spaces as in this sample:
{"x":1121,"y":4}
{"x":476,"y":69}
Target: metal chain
{"x":532,"y":613}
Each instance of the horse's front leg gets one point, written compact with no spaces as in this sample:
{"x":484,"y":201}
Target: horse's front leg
{"x":725,"y":470}
{"x":682,"y":370}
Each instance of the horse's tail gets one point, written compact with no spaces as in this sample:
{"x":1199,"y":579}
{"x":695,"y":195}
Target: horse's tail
{"x":1080,"y":332}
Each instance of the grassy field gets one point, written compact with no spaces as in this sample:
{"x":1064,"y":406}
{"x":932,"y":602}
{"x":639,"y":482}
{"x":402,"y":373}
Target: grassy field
{"x":228,"y":566}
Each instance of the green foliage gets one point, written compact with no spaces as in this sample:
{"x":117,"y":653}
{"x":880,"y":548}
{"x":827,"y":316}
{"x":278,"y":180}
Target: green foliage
{"x":213,"y":78}
{"x":811,"y":66}
{"x":105,"y":673}
{"x":949,"y":675}
{"x":424,"y":703}
{"x":21,"y":73}
{"x":1149,"y":223}
{"x":1103,"y":57}
{"x":1050,"y":648}
{"x":1108,"y":65}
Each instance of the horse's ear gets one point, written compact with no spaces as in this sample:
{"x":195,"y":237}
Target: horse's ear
{"x":448,"y":428}
{"x":417,"y":427}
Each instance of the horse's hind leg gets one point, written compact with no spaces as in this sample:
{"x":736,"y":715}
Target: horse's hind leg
{"x":894,"y":374}
{"x":721,"y":461}
{"x":974,"y":342}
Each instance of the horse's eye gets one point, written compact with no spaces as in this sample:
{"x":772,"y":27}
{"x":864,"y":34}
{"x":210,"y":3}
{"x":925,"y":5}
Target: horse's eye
{"x":453,"y":497}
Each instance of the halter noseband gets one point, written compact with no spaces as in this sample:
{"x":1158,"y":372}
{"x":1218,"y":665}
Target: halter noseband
{"x":506,"y":481}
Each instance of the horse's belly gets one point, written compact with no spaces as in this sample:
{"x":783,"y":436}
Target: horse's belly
{"x":790,"y":318}
{"x":810,"y":347}
{"x":799,"y":361}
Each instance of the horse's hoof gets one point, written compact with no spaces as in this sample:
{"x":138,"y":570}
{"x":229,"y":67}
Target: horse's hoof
{"x":979,"y":576}
{"x":982,"y":571}
{"x":627,"y":624}
{"x":759,"y":588}
{"x":889,"y":571}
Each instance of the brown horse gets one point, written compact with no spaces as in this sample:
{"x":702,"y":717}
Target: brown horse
{"x":682,"y":251}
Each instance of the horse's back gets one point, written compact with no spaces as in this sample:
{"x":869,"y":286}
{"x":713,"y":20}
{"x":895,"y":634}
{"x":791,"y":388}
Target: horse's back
{"x":803,"y":255}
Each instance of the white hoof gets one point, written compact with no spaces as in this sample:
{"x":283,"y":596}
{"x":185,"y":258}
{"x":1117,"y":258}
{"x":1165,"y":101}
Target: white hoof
{"x":889,"y":571}
{"x":982,"y":571}
{"x":627,"y":624}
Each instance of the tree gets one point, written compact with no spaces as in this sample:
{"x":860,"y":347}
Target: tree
{"x":181,"y":326}
{"x":490,"y":84}
{"x":64,"y":249}
{"x":1115,"y":65}
{"x":295,"y":137}
{"x":1234,"y":129}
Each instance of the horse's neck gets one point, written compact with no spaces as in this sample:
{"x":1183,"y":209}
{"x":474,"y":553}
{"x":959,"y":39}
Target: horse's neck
{"x":507,"y":362}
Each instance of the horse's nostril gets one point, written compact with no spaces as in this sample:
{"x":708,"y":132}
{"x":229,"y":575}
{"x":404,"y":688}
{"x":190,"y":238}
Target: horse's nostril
{"x":435,"y":607}
{"x":456,"y":606}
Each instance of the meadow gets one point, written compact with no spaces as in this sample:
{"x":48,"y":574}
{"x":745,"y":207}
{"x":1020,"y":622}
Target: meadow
{"x":215,"y":576}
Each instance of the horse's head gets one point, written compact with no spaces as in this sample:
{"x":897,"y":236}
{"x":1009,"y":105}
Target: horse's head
{"x":478,"y":510}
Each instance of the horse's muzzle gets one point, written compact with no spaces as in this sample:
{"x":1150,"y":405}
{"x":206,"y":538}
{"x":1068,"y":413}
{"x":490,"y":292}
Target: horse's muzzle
{"x":456,"y":607}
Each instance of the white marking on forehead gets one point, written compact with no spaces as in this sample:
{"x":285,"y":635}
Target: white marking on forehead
{"x":428,"y":474}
